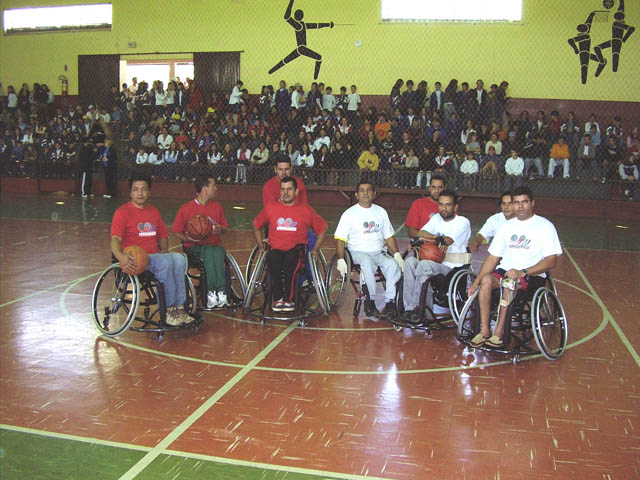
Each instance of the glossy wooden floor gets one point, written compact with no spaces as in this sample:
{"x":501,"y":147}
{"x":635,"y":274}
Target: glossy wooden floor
{"x":343,"y":397}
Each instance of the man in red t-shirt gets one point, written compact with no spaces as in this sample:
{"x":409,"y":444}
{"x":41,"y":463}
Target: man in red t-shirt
{"x":138,"y":223}
{"x":271,"y":189}
{"x":424,"y":208}
{"x":209,"y":249}
{"x":289,"y":222}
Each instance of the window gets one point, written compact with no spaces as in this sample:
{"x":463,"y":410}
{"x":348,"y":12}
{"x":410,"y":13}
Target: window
{"x":451,"y":10}
{"x":47,"y":19}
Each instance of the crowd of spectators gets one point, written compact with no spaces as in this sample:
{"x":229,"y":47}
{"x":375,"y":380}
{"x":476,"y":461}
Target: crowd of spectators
{"x":175,"y":131}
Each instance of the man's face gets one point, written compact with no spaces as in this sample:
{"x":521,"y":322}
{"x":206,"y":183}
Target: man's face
{"x":507,"y":206}
{"x":211,"y":188}
{"x":139,"y":193}
{"x":446,"y":207}
{"x":365,"y":195}
{"x":479,"y":84}
{"x":283,"y":170}
{"x":435,"y":187}
{"x":523,"y":206}
{"x":288,"y":193}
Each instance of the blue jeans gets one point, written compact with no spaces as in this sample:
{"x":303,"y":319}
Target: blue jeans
{"x":170,"y":270}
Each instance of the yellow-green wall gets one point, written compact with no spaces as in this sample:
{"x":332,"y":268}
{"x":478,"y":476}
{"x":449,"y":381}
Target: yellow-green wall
{"x":533,"y":56}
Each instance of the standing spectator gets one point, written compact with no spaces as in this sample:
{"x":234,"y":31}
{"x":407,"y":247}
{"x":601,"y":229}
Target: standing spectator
{"x":354,"y":103}
{"x":436,"y":101}
{"x":12,"y":101}
{"x":395,"y":95}
{"x":243,"y":158}
{"x":450,"y":99}
{"x":235,"y":98}
{"x":108,"y":157}
{"x":586,"y":159}
{"x":86,"y":158}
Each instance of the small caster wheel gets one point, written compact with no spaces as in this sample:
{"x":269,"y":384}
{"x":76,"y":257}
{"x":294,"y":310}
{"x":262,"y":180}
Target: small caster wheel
{"x":429,"y":335}
{"x":303,"y":323}
{"x":397,"y":327}
{"x":516,"y":359}
{"x":159,"y":337}
{"x":471,"y":349}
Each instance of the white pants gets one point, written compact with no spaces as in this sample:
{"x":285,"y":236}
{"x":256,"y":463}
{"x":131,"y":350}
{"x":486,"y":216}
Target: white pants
{"x":416,"y":272}
{"x":369,"y":263}
{"x":565,"y":164}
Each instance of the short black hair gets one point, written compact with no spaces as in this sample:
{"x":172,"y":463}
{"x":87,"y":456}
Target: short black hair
{"x":365,"y":182}
{"x":290,"y":179}
{"x":450,"y":193}
{"x":502,"y":195}
{"x":140,"y":177}
{"x":438,"y":177}
{"x":523,"y":190}
{"x":202,"y":181}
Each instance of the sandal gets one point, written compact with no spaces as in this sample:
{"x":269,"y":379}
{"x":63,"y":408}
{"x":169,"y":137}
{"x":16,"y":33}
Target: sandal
{"x":479,"y":340}
{"x":494,"y":342}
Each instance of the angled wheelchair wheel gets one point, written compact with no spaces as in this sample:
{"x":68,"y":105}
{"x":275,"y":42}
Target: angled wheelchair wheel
{"x":236,"y":283}
{"x":469,"y":318}
{"x":318,"y":283}
{"x":457,"y":293}
{"x":191,"y":304}
{"x":115,"y":301}
{"x":251,"y":263}
{"x":336,"y":284}
{"x":549,"y":323}
{"x":256,"y":284}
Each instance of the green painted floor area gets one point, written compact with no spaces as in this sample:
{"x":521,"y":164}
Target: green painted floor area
{"x":601,"y":234}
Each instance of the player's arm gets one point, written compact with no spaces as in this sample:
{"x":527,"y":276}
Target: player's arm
{"x":163,"y":244}
{"x":439,"y":240}
{"x":475,"y":242}
{"x":127,"y":262}
{"x":340,"y":248}
{"x":413,"y":232}
{"x":544,"y":265}
{"x":392,"y":245}
{"x":259,"y":222}
{"x":487,"y":268}
{"x":319,"y":241}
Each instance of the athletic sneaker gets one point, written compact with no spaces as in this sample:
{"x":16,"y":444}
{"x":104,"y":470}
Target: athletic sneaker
{"x":278,"y":306}
{"x":172,"y":317}
{"x":212,"y":300}
{"x":289,"y":307}
{"x":222,"y":299}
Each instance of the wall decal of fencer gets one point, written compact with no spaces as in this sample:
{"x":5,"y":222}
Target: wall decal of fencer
{"x":620,"y":32}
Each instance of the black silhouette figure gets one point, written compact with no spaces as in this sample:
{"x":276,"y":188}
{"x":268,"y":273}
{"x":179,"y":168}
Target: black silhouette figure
{"x":620,"y":32}
{"x":582,"y":46}
{"x":301,"y":38}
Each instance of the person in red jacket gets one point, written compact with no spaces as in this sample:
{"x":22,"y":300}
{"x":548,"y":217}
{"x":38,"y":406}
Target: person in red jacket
{"x":209,"y":249}
{"x":271,"y":189}
{"x":289,"y":221}
{"x":424,"y":208}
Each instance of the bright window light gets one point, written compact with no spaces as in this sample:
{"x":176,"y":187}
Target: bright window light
{"x":67,"y":17}
{"x":451,"y":10}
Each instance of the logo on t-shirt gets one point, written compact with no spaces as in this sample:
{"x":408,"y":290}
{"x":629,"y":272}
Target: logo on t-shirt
{"x":146,"y":230}
{"x":371,"y":227}
{"x":519,"y":241}
{"x":286,"y":224}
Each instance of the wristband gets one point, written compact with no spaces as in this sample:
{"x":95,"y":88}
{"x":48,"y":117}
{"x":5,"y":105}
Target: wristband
{"x":440,"y":240}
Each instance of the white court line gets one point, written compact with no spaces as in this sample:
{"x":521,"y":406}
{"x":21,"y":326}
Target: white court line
{"x":604,"y":308}
{"x":210,"y":402}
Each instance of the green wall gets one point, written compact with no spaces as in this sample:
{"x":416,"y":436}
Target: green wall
{"x":533,"y":56}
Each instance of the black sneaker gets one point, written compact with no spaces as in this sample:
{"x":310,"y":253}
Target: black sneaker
{"x":370,"y":309}
{"x":389,"y":309}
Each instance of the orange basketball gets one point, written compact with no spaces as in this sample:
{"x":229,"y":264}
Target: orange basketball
{"x":430,"y":251}
{"x":199,"y":227}
{"x":141,"y":258}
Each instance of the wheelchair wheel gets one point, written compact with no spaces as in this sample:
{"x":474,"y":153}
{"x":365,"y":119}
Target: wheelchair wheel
{"x":318,"y":283}
{"x":191,"y":304}
{"x":256,"y":283}
{"x":469,"y":318}
{"x":457,"y":294}
{"x":549,"y":323}
{"x":236,"y":284}
{"x":115,"y":301}
{"x":336,"y":284}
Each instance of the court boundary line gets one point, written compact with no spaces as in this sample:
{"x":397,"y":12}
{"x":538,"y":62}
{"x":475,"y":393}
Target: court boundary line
{"x":623,"y":338}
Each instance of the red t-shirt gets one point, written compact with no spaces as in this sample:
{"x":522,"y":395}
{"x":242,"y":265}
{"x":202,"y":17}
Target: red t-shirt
{"x":421,"y":212}
{"x":139,"y":226}
{"x":288,"y":225}
{"x":212,"y":210}
{"x":271,"y":191}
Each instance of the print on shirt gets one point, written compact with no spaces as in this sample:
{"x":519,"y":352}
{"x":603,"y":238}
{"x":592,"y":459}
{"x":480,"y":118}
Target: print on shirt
{"x":286,"y":224}
{"x":519,"y":242}
{"x":146,"y":230}
{"x":371,"y":227}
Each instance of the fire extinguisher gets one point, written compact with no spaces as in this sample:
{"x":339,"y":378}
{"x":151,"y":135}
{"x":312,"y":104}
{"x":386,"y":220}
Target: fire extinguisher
{"x":65,"y":84}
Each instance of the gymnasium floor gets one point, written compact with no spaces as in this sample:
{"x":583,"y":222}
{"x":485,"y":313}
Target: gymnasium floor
{"x":342,"y":398}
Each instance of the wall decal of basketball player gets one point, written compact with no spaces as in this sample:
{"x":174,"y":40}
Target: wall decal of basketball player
{"x":582,"y":46}
{"x":620,"y":32}
{"x":301,"y":38}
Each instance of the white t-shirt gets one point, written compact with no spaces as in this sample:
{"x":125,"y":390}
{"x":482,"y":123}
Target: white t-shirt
{"x":364,"y":229}
{"x":492,"y":224}
{"x":457,"y":228}
{"x":522,"y":244}
{"x":354,"y":100}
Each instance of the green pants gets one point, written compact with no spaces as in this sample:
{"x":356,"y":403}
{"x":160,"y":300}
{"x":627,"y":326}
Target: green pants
{"x":213,"y":258}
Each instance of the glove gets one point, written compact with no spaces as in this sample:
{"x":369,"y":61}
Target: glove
{"x":398,"y":258}
{"x":342,"y":266}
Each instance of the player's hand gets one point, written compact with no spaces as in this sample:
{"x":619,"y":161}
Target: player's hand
{"x":473,"y":246}
{"x":261,"y":247}
{"x":472,"y":289}
{"x":513,"y":273}
{"x":399,"y":260}
{"x":217,"y":228}
{"x":341,"y":266}
{"x":127,"y":263}
{"x":314,"y":253}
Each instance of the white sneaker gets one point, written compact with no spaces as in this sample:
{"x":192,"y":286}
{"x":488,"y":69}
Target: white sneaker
{"x":222,"y":299}
{"x":212,"y":300}
{"x":172,"y":317}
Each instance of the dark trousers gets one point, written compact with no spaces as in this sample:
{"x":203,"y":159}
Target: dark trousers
{"x":283,"y":267}
{"x":111,"y":179}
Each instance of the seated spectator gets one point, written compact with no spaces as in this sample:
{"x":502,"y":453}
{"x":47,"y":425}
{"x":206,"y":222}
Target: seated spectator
{"x":444,"y":162}
{"x":514,"y":167}
{"x":534,"y":150}
{"x":473,"y":145}
{"x":293,"y":153}
{"x":412,"y":164}
{"x":260,"y":155}
{"x":148,"y":141}
{"x":495,"y":143}
{"x":611,"y":154}
{"x":142,"y":157}
{"x":559,"y":158}
{"x":369,"y":160}
{"x":382,"y":128}
{"x":398,"y":162}
{"x":491,"y":163}
{"x":470,"y":165}
{"x":164,"y":139}
{"x":628,"y":172}
{"x":586,"y":164}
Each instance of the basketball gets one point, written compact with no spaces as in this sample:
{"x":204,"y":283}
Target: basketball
{"x":430,"y":251}
{"x":199,"y":227}
{"x":141,"y":258}
{"x":607,"y":4}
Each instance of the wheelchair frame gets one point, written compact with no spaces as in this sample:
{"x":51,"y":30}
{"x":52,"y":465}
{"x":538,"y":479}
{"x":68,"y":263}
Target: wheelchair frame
{"x":534,"y":314}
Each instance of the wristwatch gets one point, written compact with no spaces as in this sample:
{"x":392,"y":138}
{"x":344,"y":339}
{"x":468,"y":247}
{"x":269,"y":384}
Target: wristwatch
{"x":524,"y":270}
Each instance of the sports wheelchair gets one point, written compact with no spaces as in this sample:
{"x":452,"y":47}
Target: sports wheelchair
{"x":534,"y":314}
{"x":449,"y":293}
{"x":236,"y":286}
{"x":121,"y":301}
{"x":337,"y":285}
{"x":310,"y":289}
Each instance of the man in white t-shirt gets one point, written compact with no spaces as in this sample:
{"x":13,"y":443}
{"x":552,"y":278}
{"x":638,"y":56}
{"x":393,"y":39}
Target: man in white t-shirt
{"x":490,"y":227}
{"x":524,"y":248}
{"x":365,"y":229}
{"x":450,"y":232}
